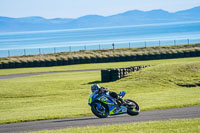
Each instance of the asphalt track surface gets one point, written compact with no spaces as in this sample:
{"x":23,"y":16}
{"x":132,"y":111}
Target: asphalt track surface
{"x":42,"y":73}
{"x":167,"y":114}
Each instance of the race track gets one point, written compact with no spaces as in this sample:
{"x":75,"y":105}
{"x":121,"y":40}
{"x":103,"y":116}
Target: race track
{"x":167,"y":114}
{"x":41,"y":73}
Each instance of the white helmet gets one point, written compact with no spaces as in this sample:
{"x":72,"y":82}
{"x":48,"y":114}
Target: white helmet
{"x":95,"y":88}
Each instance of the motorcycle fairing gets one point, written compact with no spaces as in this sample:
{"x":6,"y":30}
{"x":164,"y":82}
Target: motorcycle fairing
{"x":92,"y":98}
{"x":114,"y":109}
{"x":112,"y":105}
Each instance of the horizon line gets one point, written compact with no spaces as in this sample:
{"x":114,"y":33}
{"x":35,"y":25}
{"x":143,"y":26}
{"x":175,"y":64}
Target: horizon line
{"x":98,"y":14}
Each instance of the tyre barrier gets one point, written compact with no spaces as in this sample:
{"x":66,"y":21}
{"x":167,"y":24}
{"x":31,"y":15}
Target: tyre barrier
{"x":97,"y":59}
{"x":108,"y":75}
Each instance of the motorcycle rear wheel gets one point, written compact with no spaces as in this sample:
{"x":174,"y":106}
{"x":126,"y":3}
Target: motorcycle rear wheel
{"x":102,"y":112}
{"x":132,"y":110}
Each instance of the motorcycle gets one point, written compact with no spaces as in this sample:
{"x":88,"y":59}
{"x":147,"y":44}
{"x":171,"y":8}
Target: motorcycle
{"x":103,"y":105}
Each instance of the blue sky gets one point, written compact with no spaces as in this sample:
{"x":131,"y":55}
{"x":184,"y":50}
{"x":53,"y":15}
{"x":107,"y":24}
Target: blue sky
{"x":77,"y":8}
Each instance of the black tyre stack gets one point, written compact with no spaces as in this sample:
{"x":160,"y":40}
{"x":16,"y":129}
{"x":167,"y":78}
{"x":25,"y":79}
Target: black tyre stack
{"x":105,"y":75}
{"x":108,"y":75}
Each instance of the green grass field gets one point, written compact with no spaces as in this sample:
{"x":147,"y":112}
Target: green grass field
{"x":65,"y":95}
{"x":170,"y":126}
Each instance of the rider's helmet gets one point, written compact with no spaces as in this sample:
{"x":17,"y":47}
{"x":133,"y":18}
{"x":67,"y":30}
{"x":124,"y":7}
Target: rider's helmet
{"x":95,"y":88}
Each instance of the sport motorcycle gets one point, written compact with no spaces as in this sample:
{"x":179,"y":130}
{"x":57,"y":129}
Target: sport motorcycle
{"x":103,"y":105}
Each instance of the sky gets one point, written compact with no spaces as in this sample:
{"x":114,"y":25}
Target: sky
{"x":78,"y":8}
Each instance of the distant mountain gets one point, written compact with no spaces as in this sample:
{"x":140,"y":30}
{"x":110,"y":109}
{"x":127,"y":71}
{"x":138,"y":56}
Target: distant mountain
{"x":133,"y":17}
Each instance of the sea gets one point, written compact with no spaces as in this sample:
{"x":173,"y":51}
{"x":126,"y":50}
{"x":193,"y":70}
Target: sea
{"x":67,"y":40}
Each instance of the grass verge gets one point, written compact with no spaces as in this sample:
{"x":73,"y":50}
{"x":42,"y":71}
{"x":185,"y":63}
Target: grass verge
{"x":175,"y":126}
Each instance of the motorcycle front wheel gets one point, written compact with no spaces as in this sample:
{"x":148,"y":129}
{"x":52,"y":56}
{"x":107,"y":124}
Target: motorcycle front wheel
{"x":100,"y":109}
{"x":132,"y":108}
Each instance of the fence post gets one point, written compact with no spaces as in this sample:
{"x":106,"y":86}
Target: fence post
{"x":54,"y":50}
{"x":113,"y":45}
{"x":24,"y":51}
{"x":39,"y":51}
{"x":99,"y":46}
{"x":145,"y":44}
{"x":8,"y":53}
{"x":69,"y":48}
{"x":159,"y":43}
{"x":188,"y":41}
{"x":85,"y":47}
{"x":174,"y":42}
{"x":129,"y":45}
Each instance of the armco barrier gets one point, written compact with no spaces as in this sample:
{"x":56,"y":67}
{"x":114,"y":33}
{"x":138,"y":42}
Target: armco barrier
{"x":108,"y":75}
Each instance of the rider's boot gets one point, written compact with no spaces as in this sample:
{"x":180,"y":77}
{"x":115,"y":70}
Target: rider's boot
{"x":120,"y":101}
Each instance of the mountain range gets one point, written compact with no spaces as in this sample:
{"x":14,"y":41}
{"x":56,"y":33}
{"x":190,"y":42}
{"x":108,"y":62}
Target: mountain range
{"x":132,"y":17}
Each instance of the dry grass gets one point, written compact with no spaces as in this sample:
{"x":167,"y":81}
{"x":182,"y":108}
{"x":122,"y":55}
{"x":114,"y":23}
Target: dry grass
{"x":104,"y":53}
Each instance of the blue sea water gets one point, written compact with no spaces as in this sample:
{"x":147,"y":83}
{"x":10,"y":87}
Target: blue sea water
{"x":41,"y":42}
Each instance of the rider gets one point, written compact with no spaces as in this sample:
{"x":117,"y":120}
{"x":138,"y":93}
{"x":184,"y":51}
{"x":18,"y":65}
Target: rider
{"x":99,"y":90}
